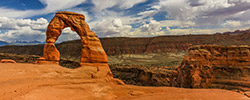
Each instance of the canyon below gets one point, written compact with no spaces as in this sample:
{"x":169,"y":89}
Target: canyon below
{"x":47,"y":82}
{"x":186,"y":67}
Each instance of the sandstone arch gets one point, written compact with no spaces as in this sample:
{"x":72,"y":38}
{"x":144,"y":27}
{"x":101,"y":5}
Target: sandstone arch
{"x":92,"y":53}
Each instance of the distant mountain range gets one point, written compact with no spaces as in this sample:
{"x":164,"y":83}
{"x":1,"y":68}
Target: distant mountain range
{"x":3,"y":43}
{"x":140,"y":45}
{"x":19,"y":42}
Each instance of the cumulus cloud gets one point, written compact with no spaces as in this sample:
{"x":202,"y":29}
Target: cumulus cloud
{"x":23,"y":29}
{"x":116,"y":28}
{"x":151,"y":28}
{"x":29,"y":30}
{"x":203,"y":12}
{"x":110,"y":18}
{"x":110,"y":27}
{"x":201,"y":16}
{"x":104,"y":21}
{"x":15,"y":24}
{"x":24,"y":33}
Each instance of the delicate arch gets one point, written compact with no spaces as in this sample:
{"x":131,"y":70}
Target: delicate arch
{"x":92,"y":51}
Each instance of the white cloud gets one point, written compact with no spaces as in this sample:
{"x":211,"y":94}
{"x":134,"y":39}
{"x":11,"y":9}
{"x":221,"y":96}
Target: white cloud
{"x":6,"y":12}
{"x":50,"y":7}
{"x":116,"y":28}
{"x":15,"y":24}
{"x":187,"y":16}
{"x":68,"y":34}
{"x":101,"y":5}
{"x":148,"y":13}
{"x":110,"y":27}
{"x":150,"y":28}
{"x":28,"y":30}
{"x":105,"y":23}
{"x":23,"y":29}
{"x":24,"y":33}
{"x":232,"y":24}
{"x":177,"y":23}
{"x":125,"y":4}
{"x":202,"y":12}
{"x":54,"y":5}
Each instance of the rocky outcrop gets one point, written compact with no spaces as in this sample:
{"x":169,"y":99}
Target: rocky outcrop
{"x":92,"y":53}
{"x":19,"y":58}
{"x":7,"y":61}
{"x":34,"y":58}
{"x":210,"y":66}
{"x":52,"y":82}
{"x":50,"y":54}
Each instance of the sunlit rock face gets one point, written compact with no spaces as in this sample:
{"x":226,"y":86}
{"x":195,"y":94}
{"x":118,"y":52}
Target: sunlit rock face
{"x":92,"y":52}
{"x":215,"y":66}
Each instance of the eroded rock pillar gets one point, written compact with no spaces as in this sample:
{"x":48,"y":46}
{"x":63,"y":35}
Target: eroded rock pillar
{"x":51,"y":54}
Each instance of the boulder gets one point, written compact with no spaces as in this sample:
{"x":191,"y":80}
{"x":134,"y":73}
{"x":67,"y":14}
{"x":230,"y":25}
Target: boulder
{"x":7,"y":61}
{"x":42,"y":60}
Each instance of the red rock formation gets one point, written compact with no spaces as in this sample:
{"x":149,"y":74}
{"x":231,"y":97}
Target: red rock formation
{"x":215,"y":66}
{"x":7,"y":61}
{"x":52,"y":82}
{"x":50,"y":53}
{"x":92,"y":53}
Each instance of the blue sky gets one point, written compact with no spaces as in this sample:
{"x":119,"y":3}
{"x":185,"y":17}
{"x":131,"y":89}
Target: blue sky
{"x":28,"y":19}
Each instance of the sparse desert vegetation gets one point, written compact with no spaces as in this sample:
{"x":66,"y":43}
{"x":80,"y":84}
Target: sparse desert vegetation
{"x":172,"y":59}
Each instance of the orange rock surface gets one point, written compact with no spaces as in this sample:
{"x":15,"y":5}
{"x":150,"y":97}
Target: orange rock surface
{"x":7,"y":61}
{"x":53,"y":82}
{"x":92,"y":50}
{"x":50,"y":53}
{"x":210,"y":66}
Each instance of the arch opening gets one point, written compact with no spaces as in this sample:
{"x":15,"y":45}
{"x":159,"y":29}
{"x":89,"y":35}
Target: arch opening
{"x":67,"y":35}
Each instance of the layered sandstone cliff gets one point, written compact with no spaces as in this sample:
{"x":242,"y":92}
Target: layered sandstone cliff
{"x":210,"y":66}
{"x":127,"y":45}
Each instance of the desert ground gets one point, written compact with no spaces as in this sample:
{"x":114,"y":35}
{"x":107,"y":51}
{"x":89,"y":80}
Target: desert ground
{"x":53,"y":82}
